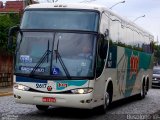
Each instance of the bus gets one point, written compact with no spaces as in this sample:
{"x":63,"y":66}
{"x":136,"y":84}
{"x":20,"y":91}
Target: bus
{"x":48,"y":70}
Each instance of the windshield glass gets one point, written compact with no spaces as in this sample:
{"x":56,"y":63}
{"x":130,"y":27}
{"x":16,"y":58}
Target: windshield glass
{"x":65,"y":20}
{"x":71,"y":53}
{"x":156,"y":71}
{"x":31,"y":49}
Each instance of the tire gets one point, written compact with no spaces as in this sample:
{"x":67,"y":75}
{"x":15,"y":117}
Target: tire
{"x":143,"y":92}
{"x":107,"y":100}
{"x":42,"y":107}
{"x":147,"y":87}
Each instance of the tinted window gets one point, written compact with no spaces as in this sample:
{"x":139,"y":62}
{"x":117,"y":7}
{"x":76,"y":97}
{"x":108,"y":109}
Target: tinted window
{"x":68,"y":20}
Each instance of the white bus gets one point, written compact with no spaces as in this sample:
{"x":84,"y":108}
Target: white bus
{"x":50,"y":70}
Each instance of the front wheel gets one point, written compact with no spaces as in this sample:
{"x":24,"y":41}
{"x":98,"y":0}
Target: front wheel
{"x":42,"y":107}
{"x":104,"y":107}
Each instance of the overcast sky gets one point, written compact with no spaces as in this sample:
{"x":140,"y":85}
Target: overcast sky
{"x":132,"y":9}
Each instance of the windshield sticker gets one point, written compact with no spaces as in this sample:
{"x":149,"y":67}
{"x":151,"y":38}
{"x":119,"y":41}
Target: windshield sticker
{"x":25,"y":59}
{"x":29,"y":69}
{"x":52,"y":83}
{"x":83,"y":64}
{"x":55,"y":71}
{"x":62,"y":85}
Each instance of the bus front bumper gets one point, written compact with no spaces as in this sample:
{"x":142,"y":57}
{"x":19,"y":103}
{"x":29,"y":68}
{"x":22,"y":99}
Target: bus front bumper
{"x":83,"y":101}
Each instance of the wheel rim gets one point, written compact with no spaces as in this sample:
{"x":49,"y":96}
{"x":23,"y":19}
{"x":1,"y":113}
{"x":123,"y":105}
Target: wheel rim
{"x":106,"y":100}
{"x":143,"y":91}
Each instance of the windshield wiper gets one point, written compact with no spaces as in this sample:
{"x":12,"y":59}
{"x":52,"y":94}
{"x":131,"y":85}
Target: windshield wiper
{"x":61,"y":61}
{"x":42,"y":59}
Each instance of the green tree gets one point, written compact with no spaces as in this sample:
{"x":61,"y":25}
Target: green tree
{"x":157,"y":53}
{"x":6,"y":21}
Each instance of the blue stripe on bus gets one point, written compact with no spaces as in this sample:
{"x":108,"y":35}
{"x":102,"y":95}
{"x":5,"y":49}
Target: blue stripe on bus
{"x":26,"y":79}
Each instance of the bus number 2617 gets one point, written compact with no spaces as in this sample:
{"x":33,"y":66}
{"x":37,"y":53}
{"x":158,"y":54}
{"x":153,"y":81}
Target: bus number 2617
{"x":41,"y":85}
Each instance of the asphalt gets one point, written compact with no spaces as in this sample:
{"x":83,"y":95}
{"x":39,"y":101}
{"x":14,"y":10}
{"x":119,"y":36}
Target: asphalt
{"x":6,"y":91}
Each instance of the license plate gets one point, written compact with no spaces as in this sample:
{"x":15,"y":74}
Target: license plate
{"x":48,"y":99}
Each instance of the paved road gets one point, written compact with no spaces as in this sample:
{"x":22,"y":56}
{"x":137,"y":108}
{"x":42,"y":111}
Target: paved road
{"x":132,"y":109}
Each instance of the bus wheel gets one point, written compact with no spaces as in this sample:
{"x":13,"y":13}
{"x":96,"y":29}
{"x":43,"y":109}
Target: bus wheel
{"x":147,"y":86}
{"x":103,"y":108}
{"x":42,"y":107}
{"x":143,"y":92}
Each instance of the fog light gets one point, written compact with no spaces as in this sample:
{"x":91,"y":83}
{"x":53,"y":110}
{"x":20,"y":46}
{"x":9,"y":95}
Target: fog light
{"x":82,"y":101}
{"x":88,"y":101}
{"x":15,"y":96}
{"x":19,"y":97}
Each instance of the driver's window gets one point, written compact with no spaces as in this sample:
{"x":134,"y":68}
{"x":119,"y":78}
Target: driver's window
{"x":102,"y":51}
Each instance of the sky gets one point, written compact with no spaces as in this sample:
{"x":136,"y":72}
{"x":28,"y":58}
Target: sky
{"x":132,"y":9}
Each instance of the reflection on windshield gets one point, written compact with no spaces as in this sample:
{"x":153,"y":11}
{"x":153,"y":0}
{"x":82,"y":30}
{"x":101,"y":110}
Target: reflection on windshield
{"x":42,"y":59}
{"x":68,"y":20}
{"x":58,"y":56}
{"x":31,"y":50}
{"x":77,"y":51}
{"x":75,"y":54}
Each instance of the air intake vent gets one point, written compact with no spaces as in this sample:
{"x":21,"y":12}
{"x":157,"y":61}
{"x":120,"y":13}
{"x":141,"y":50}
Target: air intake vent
{"x":60,"y":5}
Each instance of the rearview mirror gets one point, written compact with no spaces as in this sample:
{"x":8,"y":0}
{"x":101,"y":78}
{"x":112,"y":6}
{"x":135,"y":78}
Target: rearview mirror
{"x":102,"y":47}
{"x":106,"y":33}
{"x":11,"y":32}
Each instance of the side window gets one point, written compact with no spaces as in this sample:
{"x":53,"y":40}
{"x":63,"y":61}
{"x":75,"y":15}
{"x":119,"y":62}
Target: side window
{"x":152,"y":46}
{"x":101,"y":55}
{"x":148,"y":48}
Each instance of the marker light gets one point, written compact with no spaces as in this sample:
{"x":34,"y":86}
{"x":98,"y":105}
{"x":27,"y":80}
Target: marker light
{"x":82,"y":91}
{"x":21,"y":87}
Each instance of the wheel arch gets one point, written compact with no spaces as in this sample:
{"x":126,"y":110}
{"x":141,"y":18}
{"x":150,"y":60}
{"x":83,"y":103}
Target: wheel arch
{"x":143,"y":81}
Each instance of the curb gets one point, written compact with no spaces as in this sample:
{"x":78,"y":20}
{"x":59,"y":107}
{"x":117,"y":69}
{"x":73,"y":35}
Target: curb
{"x":6,"y":94}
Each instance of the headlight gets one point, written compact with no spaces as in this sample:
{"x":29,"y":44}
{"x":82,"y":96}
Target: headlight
{"x":155,"y":78}
{"x":21,"y":87}
{"x":82,"y":91}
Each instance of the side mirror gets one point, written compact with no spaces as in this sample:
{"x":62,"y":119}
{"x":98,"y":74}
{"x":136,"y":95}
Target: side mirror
{"x":106,"y":33}
{"x":11,"y":32}
{"x":102,"y":48}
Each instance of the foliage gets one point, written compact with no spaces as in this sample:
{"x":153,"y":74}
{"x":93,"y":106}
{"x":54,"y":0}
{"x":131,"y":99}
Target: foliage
{"x":156,"y":49}
{"x":6,"y":21}
{"x":126,"y":46}
{"x":157,"y":54}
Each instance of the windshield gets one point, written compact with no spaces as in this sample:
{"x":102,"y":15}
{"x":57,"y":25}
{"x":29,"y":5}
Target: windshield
{"x":156,"y":71}
{"x":63,"y":19}
{"x":69,"y":53}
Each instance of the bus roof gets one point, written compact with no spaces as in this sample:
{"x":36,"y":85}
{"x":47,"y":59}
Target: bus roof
{"x":67,"y":6}
{"x":84,"y":6}
{"x":130,"y":23}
